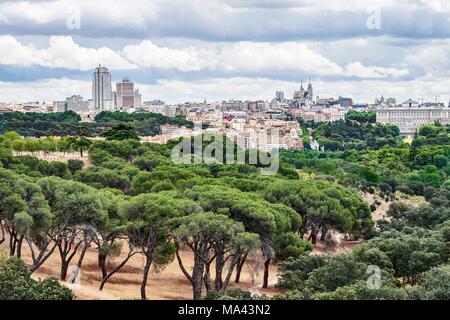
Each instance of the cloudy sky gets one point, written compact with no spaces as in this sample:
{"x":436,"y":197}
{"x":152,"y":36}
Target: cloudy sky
{"x":191,"y":50}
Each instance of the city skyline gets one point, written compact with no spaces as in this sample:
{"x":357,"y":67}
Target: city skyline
{"x":210,"y":50}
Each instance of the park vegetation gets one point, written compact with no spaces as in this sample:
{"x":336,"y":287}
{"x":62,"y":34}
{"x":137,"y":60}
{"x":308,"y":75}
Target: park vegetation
{"x":133,"y":200}
{"x":69,"y":123}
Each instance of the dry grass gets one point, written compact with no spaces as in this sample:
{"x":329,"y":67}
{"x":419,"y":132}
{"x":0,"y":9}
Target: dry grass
{"x":167,"y":284}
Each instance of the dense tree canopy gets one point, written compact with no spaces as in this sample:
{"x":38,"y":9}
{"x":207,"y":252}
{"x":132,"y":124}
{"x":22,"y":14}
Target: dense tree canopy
{"x":68,"y":123}
{"x":16,"y":283}
{"x":130,"y":199}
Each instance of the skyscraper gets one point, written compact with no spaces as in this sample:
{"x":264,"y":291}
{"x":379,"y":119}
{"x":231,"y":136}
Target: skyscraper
{"x":101,"y":89}
{"x":279,"y":96}
{"x":125,"y":96}
{"x":310,"y":91}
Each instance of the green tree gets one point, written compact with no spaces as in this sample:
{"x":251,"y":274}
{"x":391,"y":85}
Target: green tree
{"x":78,"y":214}
{"x":208,"y":234}
{"x":23,"y":209}
{"x":436,"y":283}
{"x":75,"y":165}
{"x":121,"y":132}
{"x":80,"y":143}
{"x":16,"y":284}
{"x":360,"y":291}
{"x":149,"y":219}
{"x":112,"y":236}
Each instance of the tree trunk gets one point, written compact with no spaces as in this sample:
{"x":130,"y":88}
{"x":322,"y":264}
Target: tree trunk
{"x":314,"y":238}
{"x":233,"y":264}
{"x":64,"y":269}
{"x":197,"y":288}
{"x":324,"y":233}
{"x":67,"y":251}
{"x":218,"y":283}
{"x":302,"y":233}
{"x":19,"y":247}
{"x":266,"y":273}
{"x":148,"y":263}
{"x":42,"y":257}
{"x":207,"y":279}
{"x":12,"y":242}
{"x":80,"y":263}
{"x":197,"y":278}
{"x":12,"y":247}
{"x":304,"y":227}
{"x":313,"y":235}
{"x":102,"y":264}
{"x":3,"y":238}
{"x":239,"y":267}
{"x":109,"y":275}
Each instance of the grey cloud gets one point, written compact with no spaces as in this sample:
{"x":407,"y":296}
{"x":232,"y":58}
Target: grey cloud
{"x":235,"y":20}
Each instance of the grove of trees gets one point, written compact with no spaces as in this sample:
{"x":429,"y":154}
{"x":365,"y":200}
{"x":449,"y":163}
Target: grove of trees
{"x":69,"y":123}
{"x":134,"y":201}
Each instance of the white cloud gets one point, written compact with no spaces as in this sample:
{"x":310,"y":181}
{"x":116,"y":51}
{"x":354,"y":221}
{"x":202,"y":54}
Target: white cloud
{"x":431,"y":58}
{"x":62,"y":52}
{"x":288,"y":57}
{"x":220,"y":40}
{"x":105,"y":12}
{"x":357,"y":69}
{"x":148,"y":55}
{"x":230,"y":58}
{"x":46,"y":90}
{"x":174,"y":91}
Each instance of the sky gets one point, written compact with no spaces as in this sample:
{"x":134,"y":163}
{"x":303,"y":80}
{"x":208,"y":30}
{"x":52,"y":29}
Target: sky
{"x":192,"y":50}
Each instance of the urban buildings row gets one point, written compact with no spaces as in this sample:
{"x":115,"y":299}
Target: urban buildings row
{"x":265,"y":135}
{"x":124,"y":98}
{"x":408,"y":116}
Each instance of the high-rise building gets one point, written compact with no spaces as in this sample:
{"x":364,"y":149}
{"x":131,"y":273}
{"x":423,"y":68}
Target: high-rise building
{"x":310,"y":91}
{"x":101,"y":89}
{"x":125,"y":96}
{"x":279,"y":96}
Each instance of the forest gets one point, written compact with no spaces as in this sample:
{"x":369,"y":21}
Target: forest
{"x":68,"y":123}
{"x":133,"y":200}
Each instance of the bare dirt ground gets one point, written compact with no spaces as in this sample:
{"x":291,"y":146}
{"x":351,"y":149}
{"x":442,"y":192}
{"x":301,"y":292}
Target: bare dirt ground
{"x":57,"y":156}
{"x":381,"y":212}
{"x":170,"y":283}
{"x":167,"y":284}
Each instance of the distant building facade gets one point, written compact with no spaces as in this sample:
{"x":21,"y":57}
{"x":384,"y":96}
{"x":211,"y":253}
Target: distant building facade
{"x":304,"y":97}
{"x":74,"y":103}
{"x":279,"y":96}
{"x":125,"y":96}
{"x":410,"y":115}
{"x":102,"y":90}
{"x":345,"y":102}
